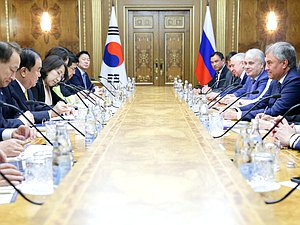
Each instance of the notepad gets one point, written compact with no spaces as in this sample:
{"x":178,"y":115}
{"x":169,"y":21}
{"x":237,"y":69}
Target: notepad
{"x":7,"y":195}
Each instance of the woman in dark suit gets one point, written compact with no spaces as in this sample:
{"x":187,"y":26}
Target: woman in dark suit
{"x":53,"y":71}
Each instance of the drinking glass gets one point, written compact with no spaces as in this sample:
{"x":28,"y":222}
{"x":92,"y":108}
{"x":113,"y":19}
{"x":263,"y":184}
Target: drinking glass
{"x":215,"y":124}
{"x":38,"y":173}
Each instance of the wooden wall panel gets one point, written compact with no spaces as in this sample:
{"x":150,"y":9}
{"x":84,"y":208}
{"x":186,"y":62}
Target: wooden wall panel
{"x":293,"y":26}
{"x":247,"y":25}
{"x":24,"y":17}
{"x":2,"y":21}
{"x":252,"y":23}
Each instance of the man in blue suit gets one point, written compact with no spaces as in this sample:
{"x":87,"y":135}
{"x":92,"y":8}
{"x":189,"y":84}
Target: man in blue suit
{"x":254,"y":63}
{"x":81,"y":78}
{"x":281,"y":67}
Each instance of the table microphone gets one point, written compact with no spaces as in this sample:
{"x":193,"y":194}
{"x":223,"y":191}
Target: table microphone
{"x":262,"y":99}
{"x":32,"y":124}
{"x":279,"y":121}
{"x":214,"y":84}
{"x":230,"y":89}
{"x":243,"y":95}
{"x":31,"y":102}
{"x":229,"y":86}
{"x":76,"y":93}
{"x":82,"y":89}
{"x":98,"y":96}
{"x":225,"y":92}
{"x":107,"y":89}
{"x":108,"y":81}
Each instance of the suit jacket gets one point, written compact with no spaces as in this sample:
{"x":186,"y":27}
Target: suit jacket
{"x":1,"y":131}
{"x":290,"y":92}
{"x":67,"y":91}
{"x":296,"y":144}
{"x":221,"y":84}
{"x":39,"y":112}
{"x":259,"y":84}
{"x":39,"y":93}
{"x":8,"y":116}
{"x":230,"y":79}
{"x":78,"y":81}
{"x":244,"y":80}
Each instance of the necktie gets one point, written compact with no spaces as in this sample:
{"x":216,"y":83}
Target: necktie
{"x":253,"y":86}
{"x":26,"y":95}
{"x":218,"y":79}
{"x":279,"y":87}
{"x":84,"y":76}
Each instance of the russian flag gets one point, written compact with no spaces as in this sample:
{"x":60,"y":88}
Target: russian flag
{"x":204,"y":71}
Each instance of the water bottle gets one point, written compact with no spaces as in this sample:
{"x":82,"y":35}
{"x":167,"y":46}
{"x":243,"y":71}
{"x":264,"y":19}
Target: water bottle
{"x":190,"y":95}
{"x":90,"y":126}
{"x":129,"y":86}
{"x":98,"y":116}
{"x":62,"y":153}
{"x":180,"y":90}
{"x":185,"y":90}
{"x":204,"y":112}
{"x":255,"y":136}
{"x":175,"y":84}
{"x":133,"y":84}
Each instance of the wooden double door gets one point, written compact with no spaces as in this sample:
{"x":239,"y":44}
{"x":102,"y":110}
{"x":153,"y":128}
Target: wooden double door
{"x":158,"y":46}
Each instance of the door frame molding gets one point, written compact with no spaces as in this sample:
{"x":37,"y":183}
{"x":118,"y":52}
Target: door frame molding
{"x":156,"y":7}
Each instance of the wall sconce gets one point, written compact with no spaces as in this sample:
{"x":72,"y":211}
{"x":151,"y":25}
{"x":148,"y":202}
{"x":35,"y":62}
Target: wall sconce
{"x":271,"y":21}
{"x":45,"y":22}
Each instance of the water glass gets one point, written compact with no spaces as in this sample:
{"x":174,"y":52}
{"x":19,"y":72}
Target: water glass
{"x":80,"y":118}
{"x":263,"y":172}
{"x":50,"y":130}
{"x":274,"y":148}
{"x":38,"y":173}
{"x":215,"y":124}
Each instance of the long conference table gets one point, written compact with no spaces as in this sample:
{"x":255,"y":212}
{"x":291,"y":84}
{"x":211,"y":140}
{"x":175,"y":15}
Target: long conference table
{"x":155,"y":163}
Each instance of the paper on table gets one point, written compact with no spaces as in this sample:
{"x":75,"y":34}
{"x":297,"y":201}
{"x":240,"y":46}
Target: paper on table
{"x":6,"y":194}
{"x":69,"y":117}
{"x":289,"y":183}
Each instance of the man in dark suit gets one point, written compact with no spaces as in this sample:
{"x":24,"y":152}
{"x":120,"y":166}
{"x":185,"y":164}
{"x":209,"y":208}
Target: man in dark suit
{"x":26,"y":78}
{"x":281,"y":67}
{"x":237,"y":75}
{"x":81,"y":78}
{"x":9,"y":64}
{"x":218,"y":63}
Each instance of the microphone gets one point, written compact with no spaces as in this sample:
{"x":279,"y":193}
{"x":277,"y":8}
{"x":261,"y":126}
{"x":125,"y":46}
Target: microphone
{"x":71,"y":87}
{"x":32,"y":124}
{"x":230,"y":86}
{"x":243,"y":95}
{"x":279,"y":121}
{"x":226,"y":92}
{"x":214,"y":84}
{"x":263,"y":99}
{"x":87,"y":94}
{"x":107,"y":89}
{"x":230,"y":89}
{"x":31,"y":102}
{"x":94,"y":95}
{"x":108,"y":81}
